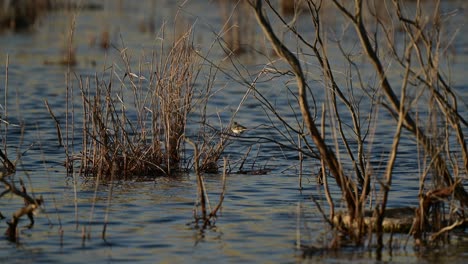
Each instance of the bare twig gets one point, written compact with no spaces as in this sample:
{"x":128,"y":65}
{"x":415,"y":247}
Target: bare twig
{"x":57,"y":123}
{"x":344,"y":183}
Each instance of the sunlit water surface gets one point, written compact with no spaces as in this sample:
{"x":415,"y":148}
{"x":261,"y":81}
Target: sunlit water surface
{"x":264,"y":218}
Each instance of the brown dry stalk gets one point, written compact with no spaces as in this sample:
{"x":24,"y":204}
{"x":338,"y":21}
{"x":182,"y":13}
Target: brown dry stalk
{"x":57,"y":123}
{"x":150,"y":144}
{"x":223,"y":192}
{"x":327,"y":155}
{"x":201,"y":191}
{"x":426,"y":201}
{"x":30,"y":206}
{"x":8,"y":166}
{"x":409,"y":123}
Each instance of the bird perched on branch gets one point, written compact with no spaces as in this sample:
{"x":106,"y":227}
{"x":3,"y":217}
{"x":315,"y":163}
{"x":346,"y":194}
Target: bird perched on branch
{"x":237,"y":128}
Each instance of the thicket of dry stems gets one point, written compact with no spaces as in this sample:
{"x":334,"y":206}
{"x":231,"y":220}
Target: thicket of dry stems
{"x":415,"y":45}
{"x":134,"y":126}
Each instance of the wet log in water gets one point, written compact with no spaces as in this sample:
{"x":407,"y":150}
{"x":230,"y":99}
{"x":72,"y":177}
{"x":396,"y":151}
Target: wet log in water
{"x":397,"y":220}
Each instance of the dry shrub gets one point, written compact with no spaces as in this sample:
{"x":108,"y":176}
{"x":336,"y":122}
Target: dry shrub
{"x":137,"y":130}
{"x":415,"y":44}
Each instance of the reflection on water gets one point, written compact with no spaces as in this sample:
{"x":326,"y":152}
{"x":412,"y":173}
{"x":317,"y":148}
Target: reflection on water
{"x":151,"y":221}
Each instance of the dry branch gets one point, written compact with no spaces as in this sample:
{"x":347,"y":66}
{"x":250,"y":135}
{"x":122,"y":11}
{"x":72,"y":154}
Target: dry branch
{"x":364,"y":36}
{"x":327,"y":155}
{"x":30,"y":205}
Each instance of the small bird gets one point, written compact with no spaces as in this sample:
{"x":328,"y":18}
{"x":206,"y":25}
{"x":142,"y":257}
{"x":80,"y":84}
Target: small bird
{"x":237,"y":129}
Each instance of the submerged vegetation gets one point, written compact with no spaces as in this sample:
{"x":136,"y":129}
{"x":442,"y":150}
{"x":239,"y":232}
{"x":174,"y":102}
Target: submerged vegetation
{"x":136,"y":120}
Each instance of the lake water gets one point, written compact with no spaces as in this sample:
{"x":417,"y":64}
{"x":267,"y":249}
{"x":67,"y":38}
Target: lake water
{"x":264,"y":217}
